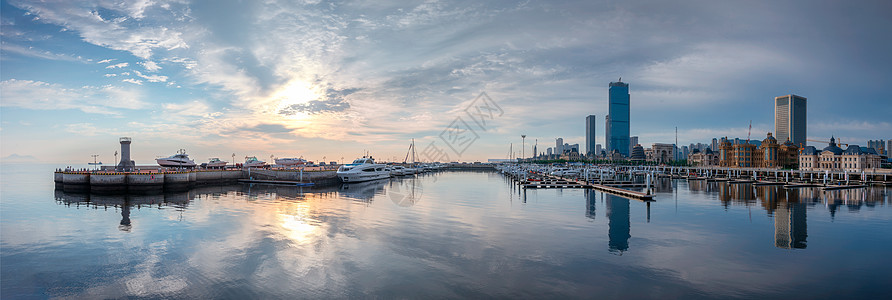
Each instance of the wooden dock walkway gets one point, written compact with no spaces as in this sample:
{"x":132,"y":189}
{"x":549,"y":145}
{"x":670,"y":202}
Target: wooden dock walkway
{"x":550,"y":181}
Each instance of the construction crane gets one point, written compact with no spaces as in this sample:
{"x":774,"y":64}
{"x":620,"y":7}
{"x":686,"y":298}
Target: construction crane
{"x":828,"y":142}
{"x":749,"y":131}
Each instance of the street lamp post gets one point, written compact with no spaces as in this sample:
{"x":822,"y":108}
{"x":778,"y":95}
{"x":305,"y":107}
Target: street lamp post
{"x":523,"y":148}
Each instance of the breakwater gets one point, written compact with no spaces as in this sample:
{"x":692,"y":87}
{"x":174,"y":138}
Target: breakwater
{"x":165,"y":181}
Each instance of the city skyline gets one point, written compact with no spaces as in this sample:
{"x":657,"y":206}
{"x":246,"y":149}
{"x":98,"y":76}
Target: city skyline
{"x":339,"y":79}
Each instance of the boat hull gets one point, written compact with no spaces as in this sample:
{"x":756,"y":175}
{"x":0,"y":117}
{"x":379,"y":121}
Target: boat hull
{"x":362,"y":176}
{"x":174,"y":164}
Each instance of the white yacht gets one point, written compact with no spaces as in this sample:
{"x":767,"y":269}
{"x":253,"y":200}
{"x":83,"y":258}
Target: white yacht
{"x":398,"y":171}
{"x":290,"y":161}
{"x":410,"y":171}
{"x":363,"y":169}
{"x":216,"y":163}
{"x":181,"y":159}
{"x":253,"y":162}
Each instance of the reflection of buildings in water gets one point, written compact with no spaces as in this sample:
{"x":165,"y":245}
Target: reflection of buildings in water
{"x":736,"y":193}
{"x":774,"y":195}
{"x":591,"y":198}
{"x":618,"y":223}
{"x":697,"y":185}
{"x":124,"y":202}
{"x":854,"y":199}
{"x":125,"y":218}
{"x":662,"y":185}
{"x":790,"y":226}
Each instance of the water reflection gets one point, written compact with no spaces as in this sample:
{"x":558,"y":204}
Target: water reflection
{"x":179,"y":201}
{"x":618,"y":222}
{"x":591,"y":199}
{"x":790,"y":226}
{"x":405,"y":192}
{"x":363,"y":191}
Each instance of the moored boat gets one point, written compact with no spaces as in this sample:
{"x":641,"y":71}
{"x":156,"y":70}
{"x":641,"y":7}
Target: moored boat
{"x":179,"y":160}
{"x":253,"y":162}
{"x":362,"y":169}
{"x":216,"y":163}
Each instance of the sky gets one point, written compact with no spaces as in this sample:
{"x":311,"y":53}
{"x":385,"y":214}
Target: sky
{"x":464,"y":79}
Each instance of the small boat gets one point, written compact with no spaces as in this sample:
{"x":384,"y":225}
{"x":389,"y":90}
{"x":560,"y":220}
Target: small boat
{"x":180,"y":160}
{"x":363,"y":169}
{"x":216,"y":163}
{"x":253,"y":162}
{"x":290,"y":161}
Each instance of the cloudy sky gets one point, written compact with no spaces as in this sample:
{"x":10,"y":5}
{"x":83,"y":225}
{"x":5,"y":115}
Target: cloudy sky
{"x":335,"y":79}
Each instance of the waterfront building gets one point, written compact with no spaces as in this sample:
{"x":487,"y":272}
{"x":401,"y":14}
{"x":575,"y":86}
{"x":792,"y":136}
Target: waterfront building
{"x":754,"y":154}
{"x":790,"y":118}
{"x":705,"y":158}
{"x":833,"y":158}
{"x":662,"y":153}
{"x":617,"y":131}
{"x":685,"y":151}
{"x":614,"y":155}
{"x":715,"y":143}
{"x":571,"y":148}
{"x":598,"y":150}
{"x":632,"y":142}
{"x":637,"y":153}
{"x":548,"y":151}
{"x":590,"y":134}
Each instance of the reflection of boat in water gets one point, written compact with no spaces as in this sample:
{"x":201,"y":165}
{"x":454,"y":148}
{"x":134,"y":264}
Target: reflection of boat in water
{"x":363,"y":191}
{"x":181,"y":159}
{"x":406,"y":191}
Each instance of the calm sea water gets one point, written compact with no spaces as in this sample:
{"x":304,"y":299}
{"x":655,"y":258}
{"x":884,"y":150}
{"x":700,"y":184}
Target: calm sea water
{"x":444,"y":235}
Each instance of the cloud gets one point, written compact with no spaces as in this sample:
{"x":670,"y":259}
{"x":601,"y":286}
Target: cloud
{"x":332,"y":101}
{"x":33,"y":52}
{"x":87,"y":20}
{"x":105,"y":61}
{"x":120,"y":65}
{"x":110,"y":75}
{"x":85,"y":129}
{"x":40,"y":95}
{"x":150,"y":66}
{"x":151,"y":78}
{"x":133,"y":81}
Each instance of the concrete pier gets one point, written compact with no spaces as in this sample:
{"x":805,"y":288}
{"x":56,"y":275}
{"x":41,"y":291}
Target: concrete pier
{"x":154,"y":182}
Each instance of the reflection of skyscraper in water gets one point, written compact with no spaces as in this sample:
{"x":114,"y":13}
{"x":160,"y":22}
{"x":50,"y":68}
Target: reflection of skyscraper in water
{"x":790,"y":227}
{"x":618,"y":216}
{"x":590,"y":200}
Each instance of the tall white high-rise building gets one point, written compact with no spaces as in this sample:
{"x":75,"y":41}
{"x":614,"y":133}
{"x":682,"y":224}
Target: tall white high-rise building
{"x":559,"y":146}
{"x":790,"y":119}
{"x":590,"y":134}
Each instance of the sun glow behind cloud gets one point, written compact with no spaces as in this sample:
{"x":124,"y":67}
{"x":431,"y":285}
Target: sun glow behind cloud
{"x":294,"y":93}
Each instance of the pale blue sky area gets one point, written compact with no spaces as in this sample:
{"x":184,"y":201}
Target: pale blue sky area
{"x":335,"y":79}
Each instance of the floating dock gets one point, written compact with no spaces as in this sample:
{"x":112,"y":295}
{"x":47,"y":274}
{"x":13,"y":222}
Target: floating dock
{"x":538,"y":181}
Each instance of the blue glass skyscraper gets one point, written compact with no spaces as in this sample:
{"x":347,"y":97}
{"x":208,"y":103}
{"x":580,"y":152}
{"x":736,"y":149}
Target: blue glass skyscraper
{"x":617,"y":136}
